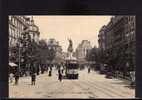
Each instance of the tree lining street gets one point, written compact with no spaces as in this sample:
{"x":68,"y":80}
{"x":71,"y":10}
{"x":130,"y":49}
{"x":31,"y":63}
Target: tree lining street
{"x":34,"y":57}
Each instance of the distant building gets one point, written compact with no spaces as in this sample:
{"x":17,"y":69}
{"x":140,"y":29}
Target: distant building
{"x":64,"y":55}
{"x":82,"y":50}
{"x":52,"y":43}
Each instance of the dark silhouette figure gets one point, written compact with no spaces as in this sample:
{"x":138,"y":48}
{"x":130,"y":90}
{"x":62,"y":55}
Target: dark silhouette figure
{"x":42,"y":69}
{"x":88,"y":70}
{"x":50,"y":74}
{"x":33,"y":78}
{"x":60,"y":77}
{"x":58,"y":71}
{"x":37,"y":70}
{"x":16,"y":77}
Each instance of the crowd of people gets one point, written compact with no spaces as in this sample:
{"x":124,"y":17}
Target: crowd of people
{"x":34,"y":71}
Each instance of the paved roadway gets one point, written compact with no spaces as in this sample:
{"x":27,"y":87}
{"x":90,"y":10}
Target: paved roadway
{"x":92,"y":85}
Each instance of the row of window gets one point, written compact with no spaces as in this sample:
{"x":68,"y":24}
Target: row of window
{"x":117,"y":33}
{"x":131,"y":18}
{"x":12,"y":41}
{"x":14,"y":33}
{"x":129,"y":37}
{"x":17,"y":23}
{"x":15,"y":20}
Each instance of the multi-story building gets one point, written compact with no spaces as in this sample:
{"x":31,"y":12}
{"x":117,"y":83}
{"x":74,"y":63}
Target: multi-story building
{"x":118,"y":44}
{"x":34,"y":31}
{"x":17,"y":26}
{"x":102,"y":39}
{"x":131,"y":41}
{"x":82,"y":50}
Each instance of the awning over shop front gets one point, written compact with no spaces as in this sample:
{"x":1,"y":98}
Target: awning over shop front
{"x":12,"y":64}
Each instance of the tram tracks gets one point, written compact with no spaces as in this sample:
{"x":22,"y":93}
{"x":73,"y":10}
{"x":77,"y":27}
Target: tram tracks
{"x":104,"y":89}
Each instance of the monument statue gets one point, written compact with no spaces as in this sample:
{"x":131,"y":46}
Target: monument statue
{"x":70,"y":51}
{"x":70,"y":47}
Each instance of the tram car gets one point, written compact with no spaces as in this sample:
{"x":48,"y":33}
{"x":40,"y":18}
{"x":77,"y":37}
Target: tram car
{"x":72,"y":67}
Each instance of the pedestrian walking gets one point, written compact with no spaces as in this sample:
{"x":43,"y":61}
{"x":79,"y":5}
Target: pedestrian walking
{"x":16,"y":77}
{"x":50,"y":74}
{"x":37,"y":71}
{"x":47,"y":68}
{"x":33,"y":78}
{"x":132,"y":76}
{"x":60,"y":77}
{"x":89,"y":70}
{"x":11,"y":77}
{"x":58,"y":71}
{"x":42,"y":69}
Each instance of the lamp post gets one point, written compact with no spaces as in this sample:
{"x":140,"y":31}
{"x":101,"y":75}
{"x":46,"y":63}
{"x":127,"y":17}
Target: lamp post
{"x":19,"y":49}
{"x":19,"y":55}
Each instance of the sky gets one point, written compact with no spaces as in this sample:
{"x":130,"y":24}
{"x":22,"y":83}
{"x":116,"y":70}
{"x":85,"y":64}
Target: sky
{"x":77,"y":28}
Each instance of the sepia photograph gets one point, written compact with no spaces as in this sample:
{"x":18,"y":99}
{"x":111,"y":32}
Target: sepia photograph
{"x":72,"y":56}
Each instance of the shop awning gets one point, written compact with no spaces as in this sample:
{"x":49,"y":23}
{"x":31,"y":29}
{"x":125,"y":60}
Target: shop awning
{"x":12,"y":64}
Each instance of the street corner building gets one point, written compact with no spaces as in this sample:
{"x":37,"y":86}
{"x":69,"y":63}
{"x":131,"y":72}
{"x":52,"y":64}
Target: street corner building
{"x":117,"y":44}
{"x":18,"y":39}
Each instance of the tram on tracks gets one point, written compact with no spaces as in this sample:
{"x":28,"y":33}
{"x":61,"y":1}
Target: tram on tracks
{"x":72,"y":67}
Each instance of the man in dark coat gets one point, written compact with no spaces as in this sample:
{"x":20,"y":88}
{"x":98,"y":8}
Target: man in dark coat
{"x":50,"y":73}
{"x":60,"y":76}
{"x":37,"y":70}
{"x":16,"y":77}
{"x":33,"y":78}
{"x":89,"y":70}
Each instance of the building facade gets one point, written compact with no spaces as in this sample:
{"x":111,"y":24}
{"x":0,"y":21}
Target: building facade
{"x":17,"y":26}
{"x":117,"y":42}
{"x":101,"y":40}
{"x":83,"y":48}
{"x":34,"y":31}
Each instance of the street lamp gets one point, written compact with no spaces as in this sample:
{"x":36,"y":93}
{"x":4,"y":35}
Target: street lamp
{"x":19,"y":49}
{"x":19,"y":53}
